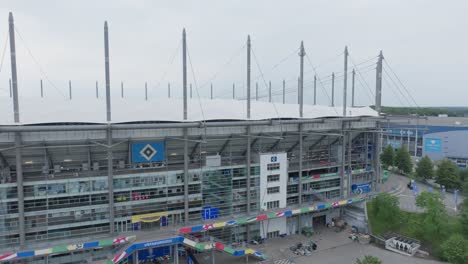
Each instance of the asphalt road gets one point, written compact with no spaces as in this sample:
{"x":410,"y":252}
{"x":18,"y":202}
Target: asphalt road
{"x":396,"y":185}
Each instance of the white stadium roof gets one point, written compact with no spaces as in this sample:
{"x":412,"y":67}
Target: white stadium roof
{"x":47,"y":111}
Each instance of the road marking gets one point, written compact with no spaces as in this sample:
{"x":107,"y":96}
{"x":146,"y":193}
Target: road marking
{"x":283,"y":261}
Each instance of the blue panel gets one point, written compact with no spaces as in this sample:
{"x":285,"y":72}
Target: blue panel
{"x":143,"y":254}
{"x":163,"y":221}
{"x":197,"y":228}
{"x":433,"y":145}
{"x":91,"y":244}
{"x":214,"y":213}
{"x":396,"y":129}
{"x":148,"y":152}
{"x":25,"y":254}
{"x":361,"y":188}
{"x":287,"y":213}
{"x":321,"y":206}
{"x":206,"y":212}
{"x":158,"y":243}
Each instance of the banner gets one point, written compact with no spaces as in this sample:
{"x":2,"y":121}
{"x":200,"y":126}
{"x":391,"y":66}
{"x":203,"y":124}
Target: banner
{"x":433,"y":145}
{"x":148,"y":218}
{"x":148,"y":152}
{"x":396,"y":144}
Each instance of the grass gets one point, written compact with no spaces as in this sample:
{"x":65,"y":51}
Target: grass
{"x":381,"y":228}
{"x":409,"y":226}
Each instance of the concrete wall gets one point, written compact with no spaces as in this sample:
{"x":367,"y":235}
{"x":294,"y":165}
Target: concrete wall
{"x":275,"y":224}
{"x":269,"y":158}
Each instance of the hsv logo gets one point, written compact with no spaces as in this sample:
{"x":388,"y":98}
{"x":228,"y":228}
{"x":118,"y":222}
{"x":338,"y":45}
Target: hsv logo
{"x":274,"y":159}
{"x":148,"y":152}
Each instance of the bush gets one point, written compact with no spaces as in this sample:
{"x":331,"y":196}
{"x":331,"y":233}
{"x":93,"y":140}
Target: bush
{"x":463,"y":217}
{"x":369,"y":260}
{"x":434,"y":224}
{"x":455,"y":249}
{"x":386,"y":211}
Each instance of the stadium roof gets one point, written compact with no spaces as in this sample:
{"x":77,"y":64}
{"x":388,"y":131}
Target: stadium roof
{"x":48,"y":111}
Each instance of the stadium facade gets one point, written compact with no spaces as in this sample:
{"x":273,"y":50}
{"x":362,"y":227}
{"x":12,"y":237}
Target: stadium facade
{"x":436,"y":137}
{"x":88,"y":182}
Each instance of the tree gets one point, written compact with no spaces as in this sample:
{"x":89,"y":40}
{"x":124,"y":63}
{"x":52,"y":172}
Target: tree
{"x":447,"y":175}
{"x":386,"y":209}
{"x":464,"y":187}
{"x":388,"y":156}
{"x":403,"y":160}
{"x":463,"y":174}
{"x":434,"y":221}
{"x":463,"y":219}
{"x":369,"y":260}
{"x":455,"y":249}
{"x":425,"y":169}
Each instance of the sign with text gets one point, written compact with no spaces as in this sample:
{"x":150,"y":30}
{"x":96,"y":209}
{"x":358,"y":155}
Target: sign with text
{"x":361,"y":188}
{"x":433,"y":145}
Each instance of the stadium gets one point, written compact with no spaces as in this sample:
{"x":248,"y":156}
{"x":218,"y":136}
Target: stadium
{"x":123,"y":181}
{"x":84,"y":178}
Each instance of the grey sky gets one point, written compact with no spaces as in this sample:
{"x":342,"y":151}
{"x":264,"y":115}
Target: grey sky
{"x":423,"y":41}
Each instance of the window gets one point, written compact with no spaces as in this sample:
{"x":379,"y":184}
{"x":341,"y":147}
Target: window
{"x":273,"y":178}
{"x":273,"y":166}
{"x":273,"y":204}
{"x":272,"y":190}
{"x":273,"y":234}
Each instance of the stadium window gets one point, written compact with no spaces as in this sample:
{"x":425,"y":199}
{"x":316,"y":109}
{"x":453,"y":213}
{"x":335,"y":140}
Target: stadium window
{"x":272,"y":204}
{"x":272,"y":190}
{"x":273,"y":178}
{"x":273,"y":166}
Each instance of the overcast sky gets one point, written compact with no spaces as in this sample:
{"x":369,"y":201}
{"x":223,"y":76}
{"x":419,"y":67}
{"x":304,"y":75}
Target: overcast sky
{"x":424,"y":42}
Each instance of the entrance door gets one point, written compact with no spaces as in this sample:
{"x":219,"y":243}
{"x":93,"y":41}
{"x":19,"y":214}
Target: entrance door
{"x":319,"y":221}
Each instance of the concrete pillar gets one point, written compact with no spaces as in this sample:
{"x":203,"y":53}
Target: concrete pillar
{"x":213,"y":257}
{"x":110,"y":180}
{"x":247,"y":169}
{"x":300,"y":163}
{"x":176,"y":254}
{"x":135,"y":257}
{"x":19,"y":183}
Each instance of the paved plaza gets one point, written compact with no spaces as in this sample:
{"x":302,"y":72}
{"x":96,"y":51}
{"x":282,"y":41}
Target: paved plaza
{"x":333,"y":248}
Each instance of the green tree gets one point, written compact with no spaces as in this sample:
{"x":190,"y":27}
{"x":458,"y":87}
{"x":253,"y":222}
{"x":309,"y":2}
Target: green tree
{"x":387,"y":157}
{"x":403,"y":160}
{"x":464,"y":187}
{"x":455,"y":249}
{"x":386,"y":210}
{"x":425,"y":169}
{"x":463,"y":174}
{"x":463,"y":219}
{"x":447,"y":175}
{"x":369,"y":260}
{"x":434,"y":223}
